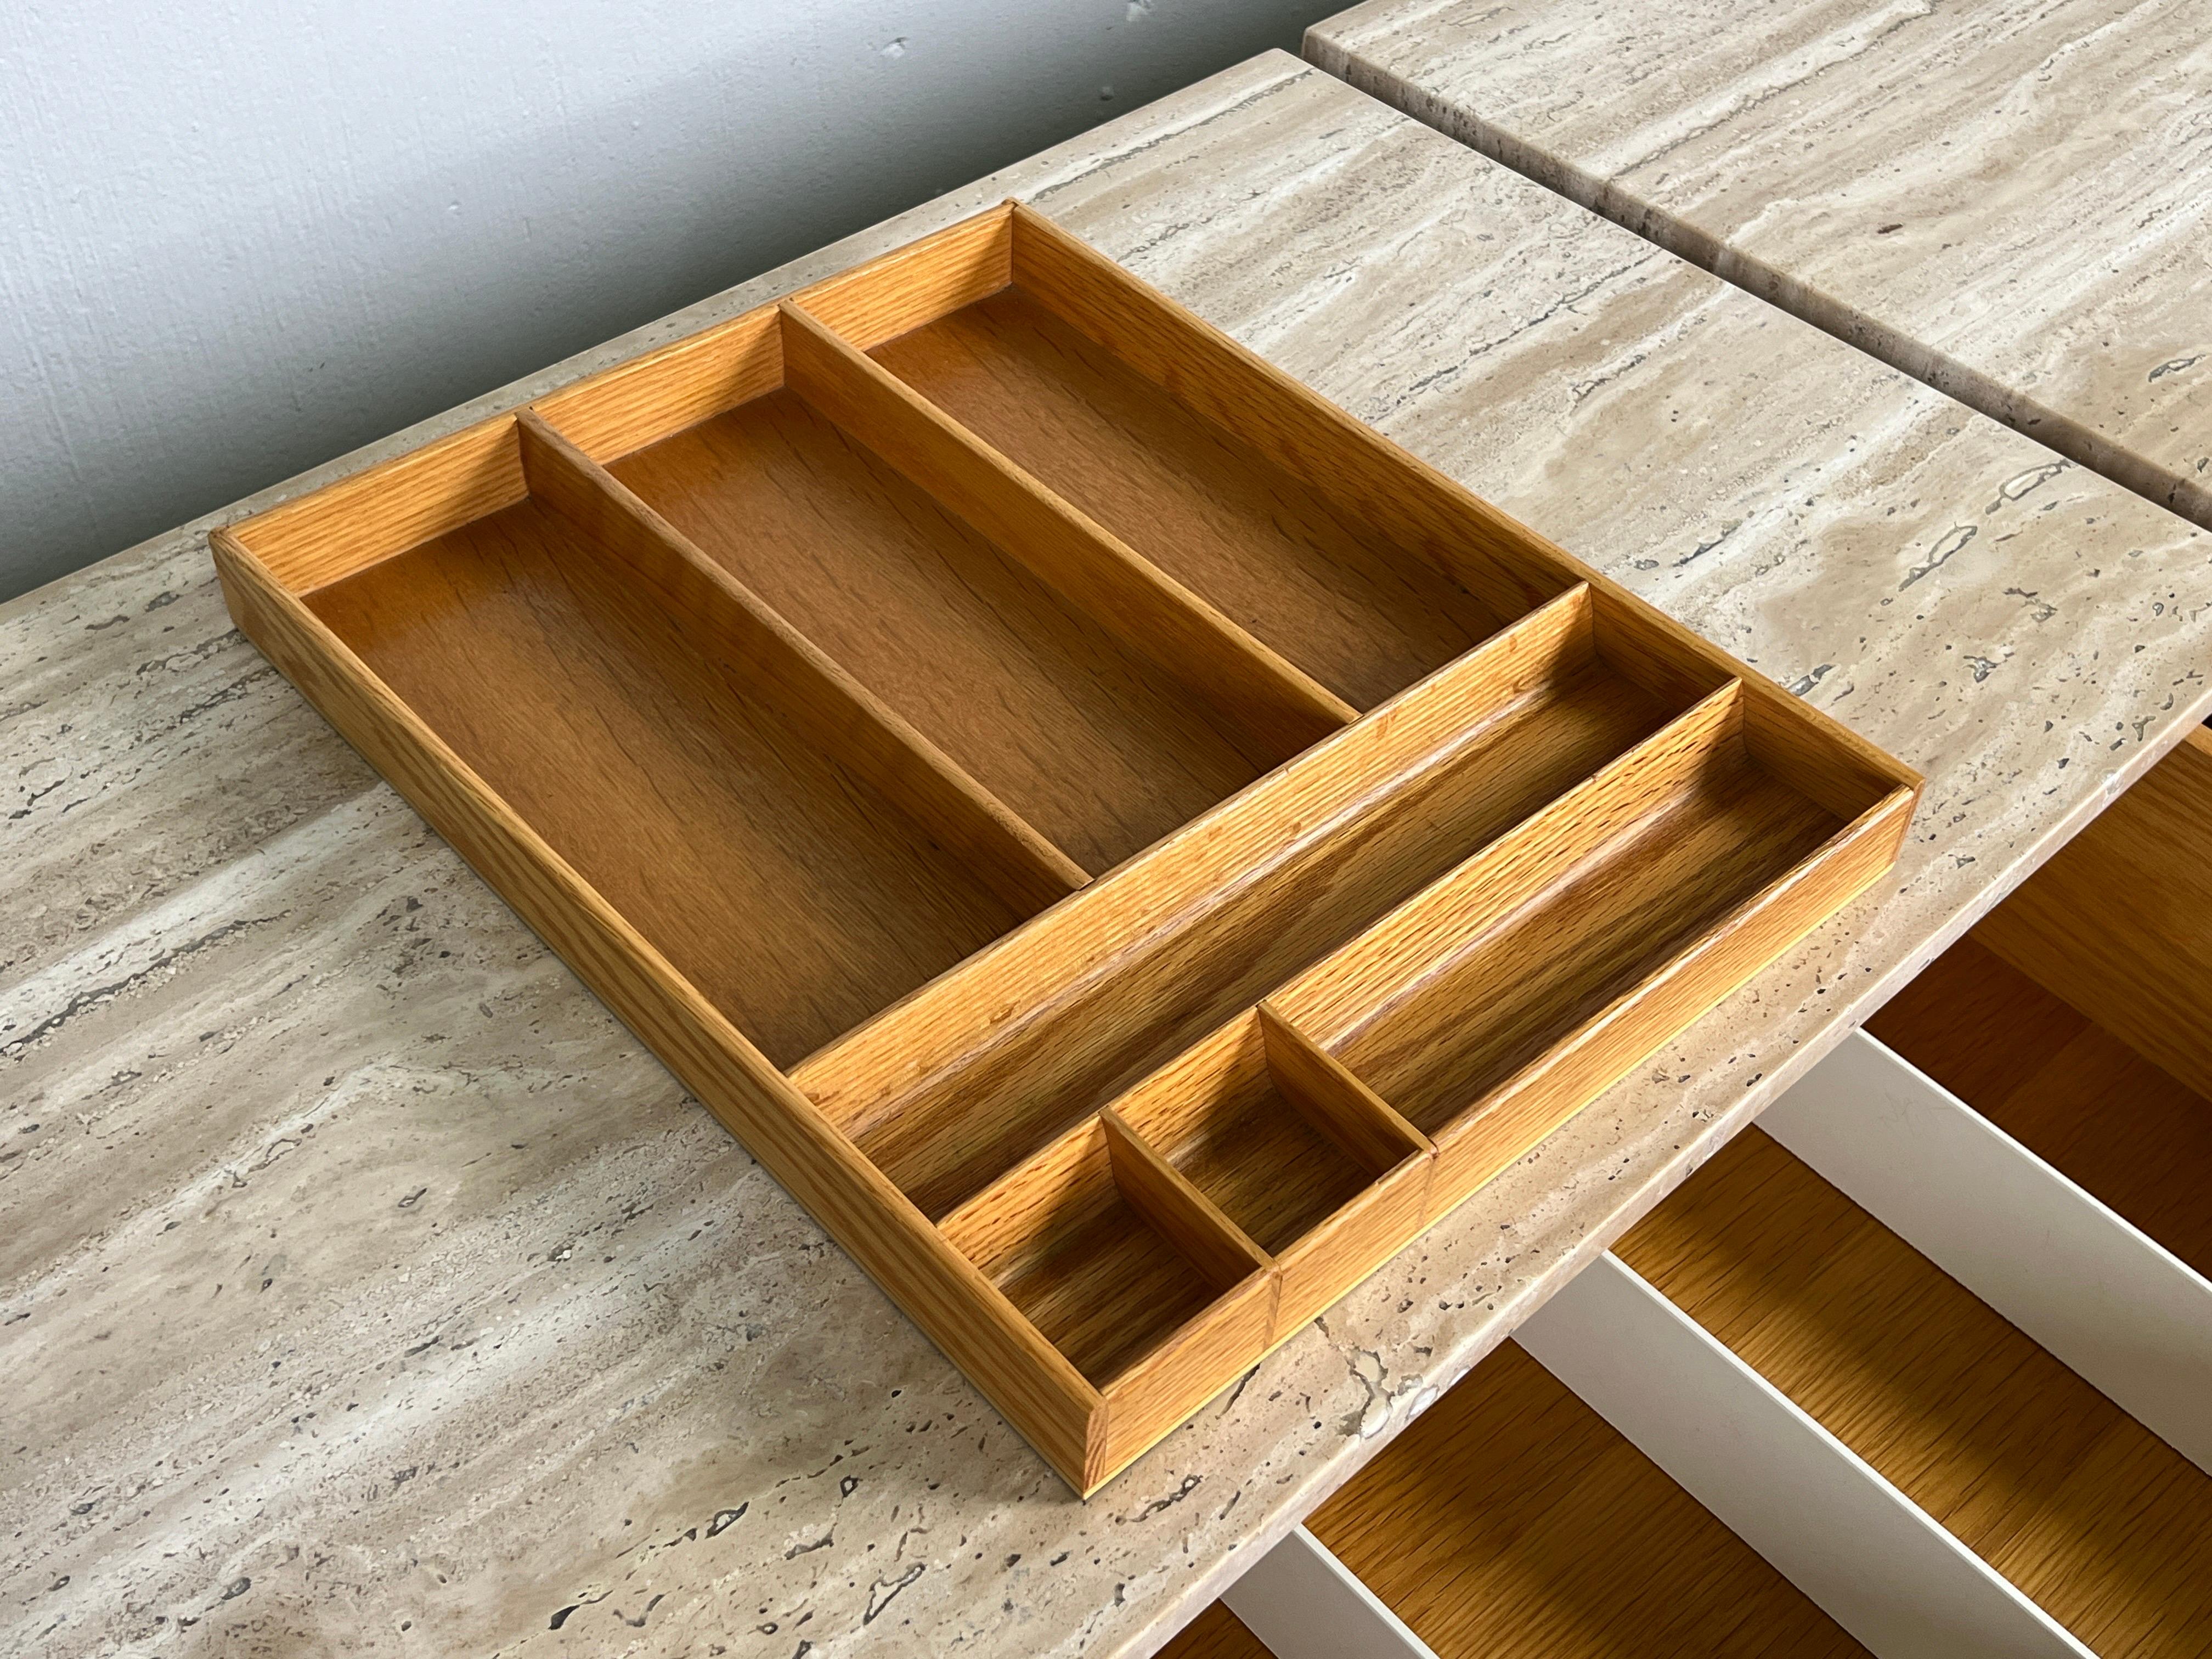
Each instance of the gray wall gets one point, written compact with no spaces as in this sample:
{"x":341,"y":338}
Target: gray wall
{"x":242,"y":236}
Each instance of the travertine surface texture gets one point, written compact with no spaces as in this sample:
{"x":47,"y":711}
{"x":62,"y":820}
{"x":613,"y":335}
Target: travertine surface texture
{"x":2012,"y":201}
{"x":365,"y":1288}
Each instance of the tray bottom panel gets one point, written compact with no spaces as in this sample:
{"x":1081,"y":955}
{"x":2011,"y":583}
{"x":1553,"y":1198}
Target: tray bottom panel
{"x":1099,"y":750}
{"x":798,"y":899}
{"x":1363,"y":617}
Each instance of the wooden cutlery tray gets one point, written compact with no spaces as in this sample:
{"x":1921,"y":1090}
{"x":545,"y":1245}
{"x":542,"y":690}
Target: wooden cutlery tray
{"x":1128,"y":846}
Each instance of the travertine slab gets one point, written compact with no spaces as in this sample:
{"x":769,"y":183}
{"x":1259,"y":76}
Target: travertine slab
{"x":366,"y":1287}
{"x":2011,"y":201}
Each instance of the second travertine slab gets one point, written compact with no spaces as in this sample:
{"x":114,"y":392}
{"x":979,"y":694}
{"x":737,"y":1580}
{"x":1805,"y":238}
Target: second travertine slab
{"x":364,"y":1287}
{"x":2012,"y":201}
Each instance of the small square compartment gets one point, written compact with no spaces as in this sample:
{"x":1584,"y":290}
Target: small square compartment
{"x":1302,"y":1156}
{"x":1112,"y":1270}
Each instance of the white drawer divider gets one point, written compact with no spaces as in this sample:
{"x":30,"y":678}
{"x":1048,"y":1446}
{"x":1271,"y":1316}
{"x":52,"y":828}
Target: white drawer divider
{"x":1303,"y":1603}
{"x":2129,"y":1317}
{"x":1864,"y":1552}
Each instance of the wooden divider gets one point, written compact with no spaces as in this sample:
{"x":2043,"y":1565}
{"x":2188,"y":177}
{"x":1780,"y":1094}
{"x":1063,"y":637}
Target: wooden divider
{"x":1279,"y":706}
{"x":730,"y":626}
{"x":998,"y":1016}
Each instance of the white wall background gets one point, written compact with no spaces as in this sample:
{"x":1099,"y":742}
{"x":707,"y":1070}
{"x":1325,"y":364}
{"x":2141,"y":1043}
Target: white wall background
{"x":238,"y":237}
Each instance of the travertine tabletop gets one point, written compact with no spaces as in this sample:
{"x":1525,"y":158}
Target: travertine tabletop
{"x":365,"y":1288}
{"x":2012,"y":201}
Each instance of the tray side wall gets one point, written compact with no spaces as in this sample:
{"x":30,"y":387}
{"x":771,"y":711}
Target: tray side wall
{"x":1032,"y":1385}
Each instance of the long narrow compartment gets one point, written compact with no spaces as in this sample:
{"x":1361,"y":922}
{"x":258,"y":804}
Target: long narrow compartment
{"x":794,"y":895}
{"x":1101,"y":750}
{"x":947,"y":1093}
{"x":1520,"y":977}
{"x":2095,"y":1519}
{"x":1060,"y":371}
{"x":1497,"y":1003}
{"x":1510,"y":1519}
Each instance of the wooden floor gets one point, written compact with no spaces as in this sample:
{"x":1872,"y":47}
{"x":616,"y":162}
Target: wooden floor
{"x":2088,"y":1512}
{"x":2065,"y":1088}
{"x":1511,"y":1520}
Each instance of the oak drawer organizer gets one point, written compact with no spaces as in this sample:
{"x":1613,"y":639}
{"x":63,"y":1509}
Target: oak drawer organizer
{"x":1128,"y":846}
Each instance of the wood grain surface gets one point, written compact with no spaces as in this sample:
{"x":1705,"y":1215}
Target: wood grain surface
{"x":1510,"y":1520}
{"x":2092,"y":1516}
{"x":1362,"y":616}
{"x":697,"y":811}
{"x":1099,"y":749}
{"x":2065,"y":1088}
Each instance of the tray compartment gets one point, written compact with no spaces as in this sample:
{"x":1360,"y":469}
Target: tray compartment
{"x":1305,"y":1160}
{"x":1104,"y":706}
{"x":1187,"y":447}
{"x":796,"y":894}
{"x":998,"y":1058}
{"x":1112,"y":1257}
{"x":1505,"y":996}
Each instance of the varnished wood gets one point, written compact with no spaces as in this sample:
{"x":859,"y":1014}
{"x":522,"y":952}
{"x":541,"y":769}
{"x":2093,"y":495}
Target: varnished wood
{"x":699,"y":813}
{"x":326,"y":536}
{"x":1362,"y":616}
{"x":1098,"y":749}
{"x":2119,"y":921}
{"x":1371,"y":820}
{"x":1511,"y":1520}
{"x":724,"y":623}
{"x":1071,"y":1240}
{"x":953,"y":849}
{"x":663,"y":392}
{"x":2063,"y":1087}
{"x":1040,"y":1391}
{"x":1146,"y":611}
{"x":1505,"y":996}
{"x":1216,"y":1245}
{"x":2106,"y":1526}
{"x":1335,"y":1100}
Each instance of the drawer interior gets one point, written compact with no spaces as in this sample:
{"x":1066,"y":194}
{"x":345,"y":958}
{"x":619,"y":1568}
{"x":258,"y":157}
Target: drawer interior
{"x":1511,"y":1519}
{"x":2104,"y":1526}
{"x":2077,"y":1017}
